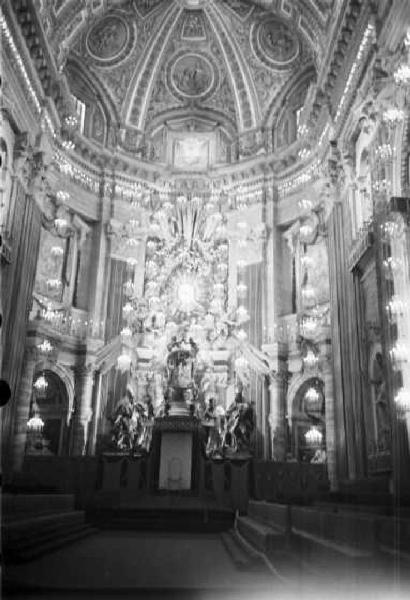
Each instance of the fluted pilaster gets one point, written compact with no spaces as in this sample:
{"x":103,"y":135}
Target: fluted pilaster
{"x":83,"y":410}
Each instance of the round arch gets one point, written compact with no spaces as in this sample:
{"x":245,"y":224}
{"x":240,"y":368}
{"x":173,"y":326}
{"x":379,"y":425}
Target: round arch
{"x":301,"y":417}
{"x":66,"y":377}
{"x":53,"y":406}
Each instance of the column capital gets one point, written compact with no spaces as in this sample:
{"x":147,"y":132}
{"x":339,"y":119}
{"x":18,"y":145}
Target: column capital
{"x":85,"y":370}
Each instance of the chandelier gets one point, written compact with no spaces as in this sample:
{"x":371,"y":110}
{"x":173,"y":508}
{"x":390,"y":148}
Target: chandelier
{"x":41,"y":384}
{"x":402,"y":75}
{"x":35,"y":424}
{"x":393,"y":115}
{"x":124,"y":362}
{"x":311,"y":360}
{"x":402,"y":401}
{"x":314,"y":437}
{"x":45,"y":347}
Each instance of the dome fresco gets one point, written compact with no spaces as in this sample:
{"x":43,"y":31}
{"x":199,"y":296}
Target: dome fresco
{"x":153,"y":59}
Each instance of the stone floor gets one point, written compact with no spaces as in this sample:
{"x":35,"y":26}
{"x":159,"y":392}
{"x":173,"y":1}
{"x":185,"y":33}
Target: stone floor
{"x":150,"y":564}
{"x":113,"y":564}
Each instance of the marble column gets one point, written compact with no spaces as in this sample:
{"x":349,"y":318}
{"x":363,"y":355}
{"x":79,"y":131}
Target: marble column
{"x":276,"y":410}
{"x":96,"y":415}
{"x":83,"y":413}
{"x":277,"y":420}
{"x":22,"y":414}
{"x":100,"y":253}
{"x":327,"y":376}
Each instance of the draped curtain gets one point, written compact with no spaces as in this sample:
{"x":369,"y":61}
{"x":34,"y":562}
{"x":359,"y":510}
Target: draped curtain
{"x":346,"y":354}
{"x":17,"y":290}
{"x":253,"y":278}
{"x":118,"y":276}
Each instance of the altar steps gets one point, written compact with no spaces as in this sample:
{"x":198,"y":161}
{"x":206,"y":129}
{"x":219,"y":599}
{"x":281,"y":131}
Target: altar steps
{"x":162,"y":519}
{"x":24,"y":540}
{"x":242,"y":555}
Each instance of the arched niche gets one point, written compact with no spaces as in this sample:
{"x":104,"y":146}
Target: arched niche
{"x":55,"y":407}
{"x":304,"y":414}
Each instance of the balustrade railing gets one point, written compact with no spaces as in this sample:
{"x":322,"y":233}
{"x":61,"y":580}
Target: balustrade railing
{"x":66,"y":321}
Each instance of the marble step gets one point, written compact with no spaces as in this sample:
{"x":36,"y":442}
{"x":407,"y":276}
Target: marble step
{"x":18,"y":531}
{"x":275,"y":515}
{"x":46,"y":546}
{"x":16,"y":507}
{"x":262,"y":537}
{"x":243,"y":558}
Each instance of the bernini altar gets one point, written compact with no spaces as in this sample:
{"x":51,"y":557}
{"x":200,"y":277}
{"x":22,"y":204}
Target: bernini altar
{"x":205,"y":295}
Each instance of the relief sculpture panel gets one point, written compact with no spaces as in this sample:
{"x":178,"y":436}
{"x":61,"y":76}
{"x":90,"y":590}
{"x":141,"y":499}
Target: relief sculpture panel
{"x":192,"y":76}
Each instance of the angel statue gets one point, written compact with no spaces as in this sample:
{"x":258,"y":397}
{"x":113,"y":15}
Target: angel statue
{"x":239,"y":425}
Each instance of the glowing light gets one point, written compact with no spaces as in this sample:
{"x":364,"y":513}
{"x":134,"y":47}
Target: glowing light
{"x":402,"y":75}
{"x":126,"y":332}
{"x":393,"y":115}
{"x":57,"y":251}
{"x":186,"y":295}
{"x":308,"y":293}
{"x":402,"y":401}
{"x":45,"y":347}
{"x":127,"y":309}
{"x":310,"y":360}
{"x":35,"y":424}
{"x":393,"y":264}
{"x":312,"y":395}
{"x":355,"y":66}
{"x":314,"y":437}
{"x":68,"y":144}
{"x":309,"y":326}
{"x":242,"y":314}
{"x":124,"y":362}
{"x":392,"y":228}
{"x":54,"y":284}
{"x":219,"y":411}
{"x":241,"y":335}
{"x":60,"y":224}
{"x":62,"y":196}
{"x":396,"y":306}
{"x":41,"y":384}
{"x":400,"y":353}
{"x":307,"y":262}
{"x":306,"y":231}
{"x":305,"y":204}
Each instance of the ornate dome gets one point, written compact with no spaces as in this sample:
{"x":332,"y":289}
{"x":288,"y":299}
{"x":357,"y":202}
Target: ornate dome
{"x":145,"y":67}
